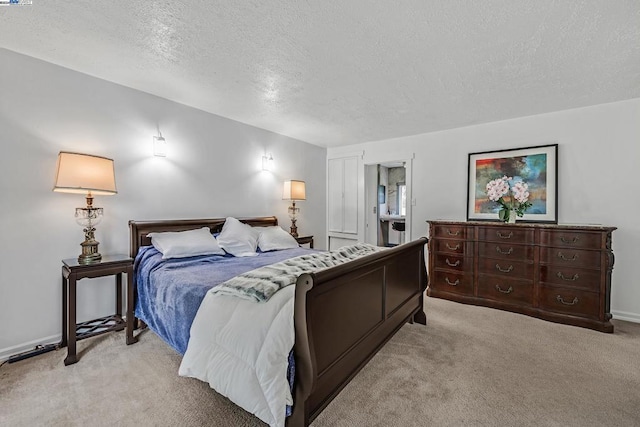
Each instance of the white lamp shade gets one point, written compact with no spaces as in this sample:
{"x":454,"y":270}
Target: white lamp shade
{"x":294,"y":190}
{"x":81,"y":173}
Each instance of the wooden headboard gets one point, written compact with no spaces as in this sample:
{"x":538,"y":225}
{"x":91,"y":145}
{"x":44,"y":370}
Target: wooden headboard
{"x":138,"y":230}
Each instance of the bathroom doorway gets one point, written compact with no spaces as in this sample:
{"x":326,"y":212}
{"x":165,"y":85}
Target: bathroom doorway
{"x":387,"y":203}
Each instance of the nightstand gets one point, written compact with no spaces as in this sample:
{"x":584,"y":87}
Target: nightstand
{"x":73,"y":271}
{"x":303,"y":240}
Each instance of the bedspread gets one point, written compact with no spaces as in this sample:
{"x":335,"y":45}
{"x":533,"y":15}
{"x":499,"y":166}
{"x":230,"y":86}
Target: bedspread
{"x":170,"y":291}
{"x":244,"y":357}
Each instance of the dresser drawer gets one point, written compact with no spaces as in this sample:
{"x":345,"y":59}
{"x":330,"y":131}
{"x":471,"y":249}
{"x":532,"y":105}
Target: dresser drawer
{"x":506,"y":268}
{"x":449,"y":231}
{"x":453,"y":246}
{"x":571,"y":239}
{"x":505,"y":251}
{"x":506,"y":234}
{"x":453,"y":262}
{"x":570,"y":301}
{"x":571,"y":276}
{"x":510,"y":291}
{"x":447,"y":281}
{"x":571,"y":257}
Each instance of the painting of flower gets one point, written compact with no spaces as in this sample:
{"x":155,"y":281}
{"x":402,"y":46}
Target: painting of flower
{"x":535,"y":166}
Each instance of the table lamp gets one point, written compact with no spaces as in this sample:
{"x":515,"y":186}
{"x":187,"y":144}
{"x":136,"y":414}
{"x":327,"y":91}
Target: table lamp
{"x":294,"y":190}
{"x":80,"y":174}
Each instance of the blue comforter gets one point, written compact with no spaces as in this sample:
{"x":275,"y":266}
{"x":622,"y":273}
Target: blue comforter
{"x":170,"y":291}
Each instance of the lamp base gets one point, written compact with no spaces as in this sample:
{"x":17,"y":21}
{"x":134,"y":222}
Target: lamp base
{"x":90,"y":252}
{"x":294,"y":229}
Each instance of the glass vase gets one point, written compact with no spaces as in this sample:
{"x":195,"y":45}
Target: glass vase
{"x":507,"y":215}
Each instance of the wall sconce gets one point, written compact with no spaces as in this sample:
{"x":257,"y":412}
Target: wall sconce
{"x":89,"y":175}
{"x":267,"y":162}
{"x":159,"y":146}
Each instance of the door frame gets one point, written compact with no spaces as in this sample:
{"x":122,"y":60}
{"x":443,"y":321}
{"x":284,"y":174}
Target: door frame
{"x":407,"y":159}
{"x":371,"y":201}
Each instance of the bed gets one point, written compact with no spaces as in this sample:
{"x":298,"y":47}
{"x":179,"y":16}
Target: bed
{"x":342,"y":315}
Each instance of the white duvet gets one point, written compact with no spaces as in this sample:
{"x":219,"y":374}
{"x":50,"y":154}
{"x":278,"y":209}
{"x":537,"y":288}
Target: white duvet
{"x":241,"y":348}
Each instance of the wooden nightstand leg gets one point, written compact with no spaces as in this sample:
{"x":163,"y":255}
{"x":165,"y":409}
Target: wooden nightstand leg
{"x":130,"y":307}
{"x":71,"y":323}
{"x":63,"y":341}
{"x":119,"y":295}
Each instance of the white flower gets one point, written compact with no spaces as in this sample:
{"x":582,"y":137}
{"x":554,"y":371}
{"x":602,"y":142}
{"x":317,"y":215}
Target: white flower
{"x":520,"y":192}
{"x":497,"y":188}
{"x":517,"y":192}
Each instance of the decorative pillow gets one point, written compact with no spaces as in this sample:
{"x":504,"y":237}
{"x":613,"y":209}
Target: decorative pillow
{"x":238,"y":239}
{"x":275,"y":238}
{"x":182,"y":244}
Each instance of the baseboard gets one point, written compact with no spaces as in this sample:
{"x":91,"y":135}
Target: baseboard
{"x":5,"y":353}
{"x":629,"y":317}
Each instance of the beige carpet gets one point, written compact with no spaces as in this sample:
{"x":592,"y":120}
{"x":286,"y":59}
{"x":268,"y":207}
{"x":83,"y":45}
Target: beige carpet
{"x":470,"y":366}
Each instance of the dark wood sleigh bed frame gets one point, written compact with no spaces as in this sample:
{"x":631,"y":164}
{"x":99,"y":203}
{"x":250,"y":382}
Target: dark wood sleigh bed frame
{"x":343,"y":315}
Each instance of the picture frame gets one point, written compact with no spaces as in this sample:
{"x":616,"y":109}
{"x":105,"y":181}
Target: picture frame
{"x":537,"y":166}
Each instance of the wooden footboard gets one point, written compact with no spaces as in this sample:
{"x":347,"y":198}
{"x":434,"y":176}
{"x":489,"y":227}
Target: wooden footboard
{"x":345,"y":314}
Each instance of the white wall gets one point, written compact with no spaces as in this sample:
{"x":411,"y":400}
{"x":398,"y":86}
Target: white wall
{"x":599,"y":150}
{"x":213,"y":170}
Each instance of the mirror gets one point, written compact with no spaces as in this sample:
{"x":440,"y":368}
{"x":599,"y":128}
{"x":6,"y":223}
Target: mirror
{"x":402,"y":199}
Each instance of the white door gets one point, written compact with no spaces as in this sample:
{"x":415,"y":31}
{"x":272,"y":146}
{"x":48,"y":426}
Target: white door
{"x":350,"y":200}
{"x":336,"y":194}
{"x":343,"y":195}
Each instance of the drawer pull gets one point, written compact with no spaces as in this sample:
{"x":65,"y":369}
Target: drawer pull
{"x":503,"y":270}
{"x":452,"y":264}
{"x":454,"y":248}
{"x":506,"y":236}
{"x":560,"y":300}
{"x":508,"y":291}
{"x":456,"y":283}
{"x":573,"y":258}
{"x":500,"y":251}
{"x":571,"y":279}
{"x":453,"y":234}
{"x":570,"y":241}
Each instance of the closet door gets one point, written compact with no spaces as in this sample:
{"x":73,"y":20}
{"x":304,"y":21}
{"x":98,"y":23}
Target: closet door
{"x":336,"y":193}
{"x":350,"y":200}
{"x":343,"y":195}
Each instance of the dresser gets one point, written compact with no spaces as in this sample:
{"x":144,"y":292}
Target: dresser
{"x":560,"y":273}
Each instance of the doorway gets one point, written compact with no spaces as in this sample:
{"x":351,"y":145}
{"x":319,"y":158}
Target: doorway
{"x":387,"y":203}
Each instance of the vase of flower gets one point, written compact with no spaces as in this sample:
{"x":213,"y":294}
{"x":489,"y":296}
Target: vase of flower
{"x":512,"y":195}
{"x":507,"y":215}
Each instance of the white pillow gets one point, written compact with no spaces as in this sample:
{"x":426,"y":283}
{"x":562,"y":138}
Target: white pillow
{"x":182,"y":244}
{"x":238,"y":239}
{"x":275,"y":238}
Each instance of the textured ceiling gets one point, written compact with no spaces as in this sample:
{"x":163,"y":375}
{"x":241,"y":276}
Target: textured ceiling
{"x":340,"y":72}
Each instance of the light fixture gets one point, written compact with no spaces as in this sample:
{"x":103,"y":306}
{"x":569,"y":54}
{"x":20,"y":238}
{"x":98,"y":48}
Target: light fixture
{"x":267,"y":162}
{"x":159,"y":146}
{"x":294,"y":190}
{"x":80,"y":174}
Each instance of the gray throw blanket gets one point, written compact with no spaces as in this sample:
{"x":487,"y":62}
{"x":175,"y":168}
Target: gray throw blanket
{"x":260,"y":284}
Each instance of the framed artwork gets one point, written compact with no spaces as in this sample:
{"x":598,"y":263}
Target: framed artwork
{"x":537,"y":166}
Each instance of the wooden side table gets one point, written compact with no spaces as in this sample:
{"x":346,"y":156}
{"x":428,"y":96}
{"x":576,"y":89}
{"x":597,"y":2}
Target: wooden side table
{"x":72,"y":271}
{"x":303,"y":240}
